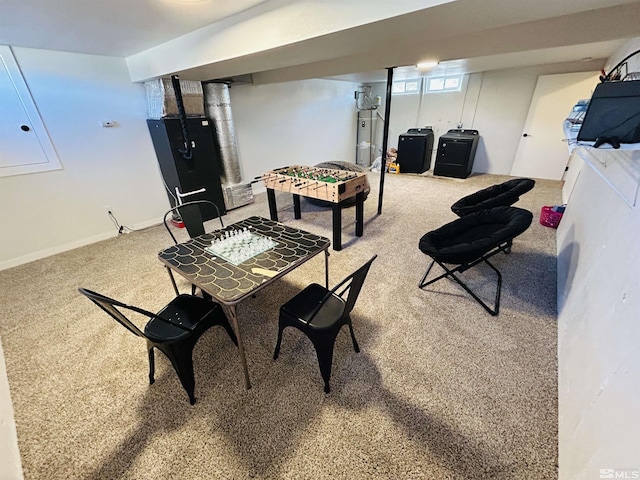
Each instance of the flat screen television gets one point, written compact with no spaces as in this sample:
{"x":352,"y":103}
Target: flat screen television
{"x":614,"y":111}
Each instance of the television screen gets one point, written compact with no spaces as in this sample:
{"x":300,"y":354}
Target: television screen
{"x":614,"y":111}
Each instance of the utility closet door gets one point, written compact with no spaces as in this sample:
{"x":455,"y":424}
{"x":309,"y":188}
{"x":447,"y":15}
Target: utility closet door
{"x":543,"y":151}
{"x":26,"y":147}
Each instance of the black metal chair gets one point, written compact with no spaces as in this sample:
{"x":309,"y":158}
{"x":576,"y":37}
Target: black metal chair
{"x":191,"y":214}
{"x":502,"y":195}
{"x":320,"y":313}
{"x":473,"y":239}
{"x":174,"y":330}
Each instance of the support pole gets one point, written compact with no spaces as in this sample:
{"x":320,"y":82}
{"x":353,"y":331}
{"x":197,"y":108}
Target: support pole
{"x":385,"y":136}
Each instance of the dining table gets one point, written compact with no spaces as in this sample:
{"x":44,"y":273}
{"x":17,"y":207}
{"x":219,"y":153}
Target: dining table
{"x":233,"y":263}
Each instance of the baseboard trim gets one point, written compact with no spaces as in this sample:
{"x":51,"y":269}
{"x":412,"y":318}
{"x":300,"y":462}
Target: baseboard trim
{"x":31,"y":257}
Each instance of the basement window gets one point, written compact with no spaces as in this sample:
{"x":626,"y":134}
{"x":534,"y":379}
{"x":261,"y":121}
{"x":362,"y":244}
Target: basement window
{"x":449,"y":83}
{"x":406,"y":87}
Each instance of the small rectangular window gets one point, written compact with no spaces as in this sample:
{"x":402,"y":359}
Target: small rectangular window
{"x":406,"y":87}
{"x":398,"y":88}
{"x":412,"y":87}
{"x":449,"y":83}
{"x":436,"y":84}
{"x":452,"y":83}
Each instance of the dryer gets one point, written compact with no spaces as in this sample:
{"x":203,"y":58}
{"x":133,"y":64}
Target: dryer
{"x":456,"y":152}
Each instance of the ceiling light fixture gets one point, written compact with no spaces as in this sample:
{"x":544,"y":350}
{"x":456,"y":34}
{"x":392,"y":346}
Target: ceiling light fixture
{"x":427,"y":65}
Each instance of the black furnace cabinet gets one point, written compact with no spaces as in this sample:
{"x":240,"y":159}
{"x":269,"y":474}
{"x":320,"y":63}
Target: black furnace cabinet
{"x":455,"y":154}
{"x":202,"y":170}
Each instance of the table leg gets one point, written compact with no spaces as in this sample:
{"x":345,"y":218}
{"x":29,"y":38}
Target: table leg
{"x":296,"y":207}
{"x":236,"y":328}
{"x":337,"y":226}
{"x":273,"y":210}
{"x":359,"y":213}
{"x":173,"y":281}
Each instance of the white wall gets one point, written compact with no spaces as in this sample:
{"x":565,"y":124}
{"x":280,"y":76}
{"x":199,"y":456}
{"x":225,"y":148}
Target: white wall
{"x":633,"y":63}
{"x":303,"y":122}
{"x":49,"y":212}
{"x":441,"y":111}
{"x":495,"y":103}
{"x":598,"y":330}
{"x":294,"y":123}
{"x":598,"y":322}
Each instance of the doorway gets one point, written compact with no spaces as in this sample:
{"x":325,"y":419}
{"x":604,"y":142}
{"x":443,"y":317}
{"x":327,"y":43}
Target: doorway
{"x":543,"y":150}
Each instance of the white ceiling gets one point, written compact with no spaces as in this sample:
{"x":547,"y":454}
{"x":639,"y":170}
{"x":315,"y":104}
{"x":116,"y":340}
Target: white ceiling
{"x":465,"y":35}
{"x":116,"y":28}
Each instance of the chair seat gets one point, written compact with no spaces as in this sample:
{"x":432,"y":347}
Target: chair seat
{"x":320,"y":313}
{"x":471,"y":240}
{"x":468,"y":238}
{"x":186,"y":310}
{"x":504,"y":194}
{"x":303,"y":305}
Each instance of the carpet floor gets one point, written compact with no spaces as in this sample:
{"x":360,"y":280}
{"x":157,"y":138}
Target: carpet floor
{"x":440,"y":389}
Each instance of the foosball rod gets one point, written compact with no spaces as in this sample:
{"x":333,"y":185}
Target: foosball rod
{"x":263,"y":177}
{"x":302,"y":170}
{"x":349,"y":176}
{"x":287,"y":179}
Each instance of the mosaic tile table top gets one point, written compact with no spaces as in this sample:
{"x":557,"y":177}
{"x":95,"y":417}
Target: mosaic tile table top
{"x":229,"y":283}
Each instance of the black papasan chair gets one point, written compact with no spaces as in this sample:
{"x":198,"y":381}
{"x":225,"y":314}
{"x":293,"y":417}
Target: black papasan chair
{"x":473,"y":239}
{"x":501,"y":195}
{"x":349,"y":167}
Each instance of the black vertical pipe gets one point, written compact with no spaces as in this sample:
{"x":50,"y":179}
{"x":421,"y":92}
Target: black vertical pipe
{"x":186,"y":153}
{"x":385,"y":136}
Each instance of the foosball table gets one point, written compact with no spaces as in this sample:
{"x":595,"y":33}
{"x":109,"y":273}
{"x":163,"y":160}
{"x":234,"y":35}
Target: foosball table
{"x":330,"y":185}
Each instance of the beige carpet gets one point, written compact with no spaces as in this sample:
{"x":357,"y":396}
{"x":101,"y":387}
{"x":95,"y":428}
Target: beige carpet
{"x":440,"y":390}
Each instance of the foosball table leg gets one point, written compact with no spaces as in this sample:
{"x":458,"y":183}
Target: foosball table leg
{"x":359,"y":213}
{"x":296,"y":207}
{"x":337,"y":226}
{"x":273,"y":210}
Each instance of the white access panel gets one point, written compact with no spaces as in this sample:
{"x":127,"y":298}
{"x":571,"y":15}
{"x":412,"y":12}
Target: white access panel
{"x":26,"y":146}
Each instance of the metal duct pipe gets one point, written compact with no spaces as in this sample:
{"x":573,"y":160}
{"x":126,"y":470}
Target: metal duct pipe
{"x":217,"y":103}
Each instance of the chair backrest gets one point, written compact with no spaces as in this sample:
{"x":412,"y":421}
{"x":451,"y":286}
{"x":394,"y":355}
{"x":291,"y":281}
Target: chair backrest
{"x":353,"y":284}
{"x":191,"y":215}
{"x":109,"y":305}
{"x":502,"y":194}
